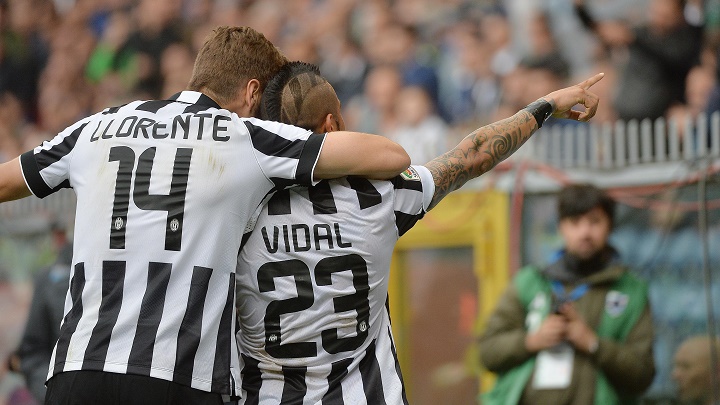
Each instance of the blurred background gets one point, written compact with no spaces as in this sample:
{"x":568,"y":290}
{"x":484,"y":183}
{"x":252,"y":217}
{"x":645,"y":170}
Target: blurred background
{"x":424,"y":73}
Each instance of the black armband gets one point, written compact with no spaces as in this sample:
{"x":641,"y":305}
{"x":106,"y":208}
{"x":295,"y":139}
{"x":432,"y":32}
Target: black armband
{"x":541,"y":110}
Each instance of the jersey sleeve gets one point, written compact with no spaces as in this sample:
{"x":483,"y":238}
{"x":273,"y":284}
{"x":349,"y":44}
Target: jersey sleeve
{"x":414,"y":189}
{"x":286,"y":154}
{"x":46,"y":168}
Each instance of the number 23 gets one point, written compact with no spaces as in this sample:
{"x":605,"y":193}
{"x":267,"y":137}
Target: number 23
{"x":323,"y":271}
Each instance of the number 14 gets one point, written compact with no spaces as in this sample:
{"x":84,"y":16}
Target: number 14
{"x":173,"y":203}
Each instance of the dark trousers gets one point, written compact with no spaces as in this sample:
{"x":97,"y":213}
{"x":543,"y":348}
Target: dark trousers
{"x":98,"y":387}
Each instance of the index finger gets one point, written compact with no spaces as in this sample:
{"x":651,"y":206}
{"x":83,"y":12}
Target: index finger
{"x":589,"y":82}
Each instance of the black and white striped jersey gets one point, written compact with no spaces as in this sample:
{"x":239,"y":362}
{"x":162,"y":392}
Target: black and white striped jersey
{"x":312,"y":286}
{"x":165,"y":190}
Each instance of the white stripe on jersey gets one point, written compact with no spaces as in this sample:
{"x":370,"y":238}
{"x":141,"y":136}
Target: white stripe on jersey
{"x":312,"y":286}
{"x":165,"y":189}
{"x":369,"y":378}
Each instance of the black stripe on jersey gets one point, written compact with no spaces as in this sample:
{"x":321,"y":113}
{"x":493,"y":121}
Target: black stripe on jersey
{"x":295,"y":388}
{"x":200,"y":100}
{"x":405,"y":221}
{"x":153,"y":106}
{"x":188,"y":338}
{"x":113,"y":276}
{"x":322,"y":198}
{"x":280,"y":184}
{"x":35,"y":182}
{"x":112,"y":110}
{"x":308,"y":157}
{"x":196,"y":108}
{"x":397,"y":365}
{"x":371,"y":378}
{"x":279,"y":204}
{"x":399,"y":182}
{"x":153,"y":301}
{"x":334,"y":394}
{"x":45,"y":158}
{"x":245,"y":238}
{"x":271,"y":144}
{"x":251,"y":380}
{"x":221,"y":366}
{"x":367,"y":194}
{"x":72,"y":318}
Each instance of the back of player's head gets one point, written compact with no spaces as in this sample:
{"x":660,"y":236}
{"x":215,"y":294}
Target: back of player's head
{"x":230,"y":57}
{"x":300,"y":96}
{"x":579,"y":199}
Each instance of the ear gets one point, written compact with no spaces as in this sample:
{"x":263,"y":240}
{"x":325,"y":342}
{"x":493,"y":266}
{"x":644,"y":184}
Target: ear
{"x":252,"y":95}
{"x":329,"y":124}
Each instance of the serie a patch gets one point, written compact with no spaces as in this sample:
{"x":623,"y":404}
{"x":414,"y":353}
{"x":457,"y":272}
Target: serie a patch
{"x":410,"y":174}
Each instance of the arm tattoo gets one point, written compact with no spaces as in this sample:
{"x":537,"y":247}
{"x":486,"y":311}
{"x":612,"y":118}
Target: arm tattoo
{"x":479,"y":152}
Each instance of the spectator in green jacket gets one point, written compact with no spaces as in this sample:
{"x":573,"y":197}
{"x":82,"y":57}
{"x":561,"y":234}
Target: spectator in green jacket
{"x":577,"y":331}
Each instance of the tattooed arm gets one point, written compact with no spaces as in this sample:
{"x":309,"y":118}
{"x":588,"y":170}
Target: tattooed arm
{"x":480,"y":151}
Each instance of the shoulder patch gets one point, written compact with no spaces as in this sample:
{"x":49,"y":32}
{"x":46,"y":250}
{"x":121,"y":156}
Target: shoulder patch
{"x":410,"y":174}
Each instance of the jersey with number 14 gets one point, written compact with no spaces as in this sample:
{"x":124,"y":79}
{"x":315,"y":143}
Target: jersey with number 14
{"x":165,"y":190}
{"x":312,"y":289}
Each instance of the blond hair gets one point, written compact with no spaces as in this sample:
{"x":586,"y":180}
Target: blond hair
{"x":230,"y":57}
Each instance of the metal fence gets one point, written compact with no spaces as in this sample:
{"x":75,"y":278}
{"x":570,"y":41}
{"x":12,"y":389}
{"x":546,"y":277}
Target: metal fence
{"x":625,"y":144}
{"x":611,"y":155}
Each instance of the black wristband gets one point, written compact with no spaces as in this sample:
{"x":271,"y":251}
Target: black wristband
{"x":541,"y":110}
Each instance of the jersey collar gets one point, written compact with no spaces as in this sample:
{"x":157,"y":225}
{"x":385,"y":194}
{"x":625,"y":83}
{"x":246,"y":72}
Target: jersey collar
{"x":195,"y":97}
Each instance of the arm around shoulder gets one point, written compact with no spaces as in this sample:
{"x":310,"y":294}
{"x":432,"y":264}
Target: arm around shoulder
{"x":12,"y":182}
{"x":354,"y":153}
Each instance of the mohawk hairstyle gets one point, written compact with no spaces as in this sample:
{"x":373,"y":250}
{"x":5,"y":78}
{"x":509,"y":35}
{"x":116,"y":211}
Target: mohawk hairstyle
{"x":292,"y":96}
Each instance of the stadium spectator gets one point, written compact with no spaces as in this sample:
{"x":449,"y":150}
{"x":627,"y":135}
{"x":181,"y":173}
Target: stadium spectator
{"x":471,"y":59}
{"x":374,"y":111}
{"x":699,"y":83}
{"x":419,"y":129}
{"x":659,"y":55}
{"x":157,"y":26}
{"x":42,"y":328}
{"x":695,"y":371}
{"x":577,"y":331}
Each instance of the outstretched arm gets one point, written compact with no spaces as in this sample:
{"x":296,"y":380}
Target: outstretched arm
{"x":480,"y":151}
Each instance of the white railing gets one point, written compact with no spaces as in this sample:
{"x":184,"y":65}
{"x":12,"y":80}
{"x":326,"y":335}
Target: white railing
{"x":623,"y":144}
{"x":616,"y":154}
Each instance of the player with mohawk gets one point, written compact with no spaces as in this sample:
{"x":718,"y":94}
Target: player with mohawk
{"x":313,"y":275}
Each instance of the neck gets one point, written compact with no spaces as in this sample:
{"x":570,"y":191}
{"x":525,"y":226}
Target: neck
{"x":585,"y":267}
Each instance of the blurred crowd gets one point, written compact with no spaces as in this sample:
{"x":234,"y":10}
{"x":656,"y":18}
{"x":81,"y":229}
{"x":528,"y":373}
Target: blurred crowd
{"x":423,"y":72}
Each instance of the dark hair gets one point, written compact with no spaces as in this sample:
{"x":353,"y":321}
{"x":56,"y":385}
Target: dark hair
{"x":271,"y":103}
{"x":297,"y":95}
{"x":579,"y":199}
